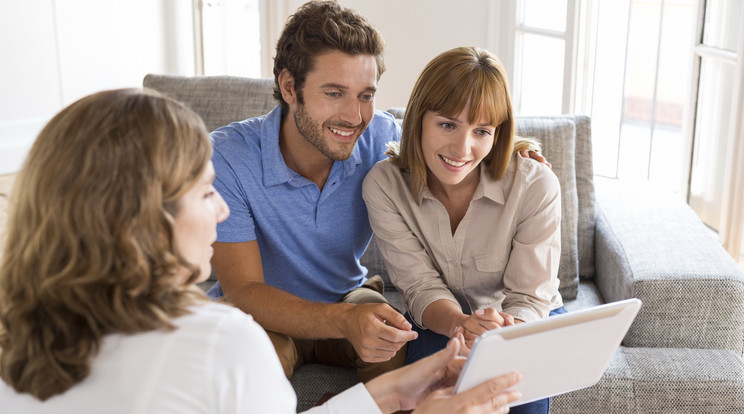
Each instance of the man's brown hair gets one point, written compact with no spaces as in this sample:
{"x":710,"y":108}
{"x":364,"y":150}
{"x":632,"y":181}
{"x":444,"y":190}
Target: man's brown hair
{"x":317,"y":27}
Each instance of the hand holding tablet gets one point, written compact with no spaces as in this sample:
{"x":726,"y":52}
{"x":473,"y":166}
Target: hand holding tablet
{"x":555,"y":355}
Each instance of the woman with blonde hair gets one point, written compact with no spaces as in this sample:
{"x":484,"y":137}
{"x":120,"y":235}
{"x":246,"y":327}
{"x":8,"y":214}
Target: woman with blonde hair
{"x":111,"y":224}
{"x":470,"y":233}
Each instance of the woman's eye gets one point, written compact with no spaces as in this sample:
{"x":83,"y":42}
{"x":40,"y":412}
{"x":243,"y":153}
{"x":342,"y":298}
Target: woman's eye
{"x":483,"y":132}
{"x":447,"y":125}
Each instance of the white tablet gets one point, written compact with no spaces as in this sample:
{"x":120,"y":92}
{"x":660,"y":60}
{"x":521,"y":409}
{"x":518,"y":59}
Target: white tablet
{"x":556,"y":355}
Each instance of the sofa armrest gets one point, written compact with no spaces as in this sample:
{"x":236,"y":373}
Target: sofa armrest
{"x":655,"y":248}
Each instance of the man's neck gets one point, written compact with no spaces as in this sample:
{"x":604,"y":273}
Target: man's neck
{"x":301,"y":156}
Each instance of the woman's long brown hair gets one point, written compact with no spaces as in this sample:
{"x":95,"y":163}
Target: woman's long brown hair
{"x":90,"y":248}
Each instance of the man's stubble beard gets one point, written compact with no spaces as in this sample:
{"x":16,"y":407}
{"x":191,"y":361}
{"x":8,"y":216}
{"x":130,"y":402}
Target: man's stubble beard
{"x":313,"y":134}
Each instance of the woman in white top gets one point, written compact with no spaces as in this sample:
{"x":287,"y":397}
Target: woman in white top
{"x":470,"y":233}
{"x":111,"y":224}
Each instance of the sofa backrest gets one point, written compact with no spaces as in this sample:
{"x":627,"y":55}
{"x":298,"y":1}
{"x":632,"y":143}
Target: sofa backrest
{"x":219,"y":100}
{"x":566,"y":141}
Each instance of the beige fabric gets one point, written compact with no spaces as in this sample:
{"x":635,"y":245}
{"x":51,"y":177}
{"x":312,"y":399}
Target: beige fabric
{"x":504,"y":253}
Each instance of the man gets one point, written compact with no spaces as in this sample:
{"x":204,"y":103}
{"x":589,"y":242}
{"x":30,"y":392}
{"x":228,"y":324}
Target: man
{"x":289,"y":252}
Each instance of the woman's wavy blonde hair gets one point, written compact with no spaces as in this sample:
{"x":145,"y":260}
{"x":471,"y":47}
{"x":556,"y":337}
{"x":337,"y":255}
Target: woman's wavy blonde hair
{"x":458,"y":77}
{"x":90,"y":247}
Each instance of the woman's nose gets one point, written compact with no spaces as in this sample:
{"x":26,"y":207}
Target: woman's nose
{"x":221,"y":210}
{"x":461,"y":145}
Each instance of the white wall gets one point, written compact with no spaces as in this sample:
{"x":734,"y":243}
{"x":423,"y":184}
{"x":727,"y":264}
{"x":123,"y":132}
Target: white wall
{"x":57,"y":51}
{"x":417,"y":30}
{"x":29,"y":79}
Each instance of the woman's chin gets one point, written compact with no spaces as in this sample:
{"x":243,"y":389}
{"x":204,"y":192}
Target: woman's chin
{"x":206,"y":271}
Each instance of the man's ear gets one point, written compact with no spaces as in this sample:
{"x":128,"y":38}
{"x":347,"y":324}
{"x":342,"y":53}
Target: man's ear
{"x":287,"y":86}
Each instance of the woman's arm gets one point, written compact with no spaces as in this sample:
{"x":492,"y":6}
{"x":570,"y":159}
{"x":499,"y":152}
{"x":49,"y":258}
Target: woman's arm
{"x":530,"y":277}
{"x":446,"y":318}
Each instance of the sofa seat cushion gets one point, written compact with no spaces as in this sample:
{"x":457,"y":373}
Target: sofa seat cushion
{"x":313,"y":381}
{"x":662,"y":380}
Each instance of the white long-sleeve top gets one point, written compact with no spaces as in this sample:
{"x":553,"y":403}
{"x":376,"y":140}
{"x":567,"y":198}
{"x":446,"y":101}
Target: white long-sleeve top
{"x":218,"y":360}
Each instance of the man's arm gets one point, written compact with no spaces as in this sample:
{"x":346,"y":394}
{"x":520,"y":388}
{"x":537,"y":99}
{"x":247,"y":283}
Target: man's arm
{"x":376,"y":330}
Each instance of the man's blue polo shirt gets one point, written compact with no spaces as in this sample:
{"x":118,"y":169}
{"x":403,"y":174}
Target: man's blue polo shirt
{"x":310,"y":240}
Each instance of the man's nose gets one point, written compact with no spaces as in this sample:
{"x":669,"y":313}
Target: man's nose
{"x":351,"y":112}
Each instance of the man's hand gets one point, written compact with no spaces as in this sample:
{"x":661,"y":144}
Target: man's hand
{"x":535,"y":156}
{"x":481,"y":321}
{"x":376,"y":331}
{"x":427,"y":385}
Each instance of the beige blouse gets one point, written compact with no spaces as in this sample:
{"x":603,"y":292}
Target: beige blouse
{"x":504,"y":253}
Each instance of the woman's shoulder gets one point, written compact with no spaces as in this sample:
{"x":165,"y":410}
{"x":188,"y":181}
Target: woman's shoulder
{"x":385,"y":173}
{"x":216,"y":316}
{"x":387,"y":181}
{"x":534,"y":173}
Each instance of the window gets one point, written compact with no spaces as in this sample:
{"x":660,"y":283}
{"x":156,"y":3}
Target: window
{"x":544,"y":38}
{"x":638,"y":98}
{"x":230,"y":37}
{"x":664,"y":93}
{"x":716,"y":186}
{"x":715,"y":57}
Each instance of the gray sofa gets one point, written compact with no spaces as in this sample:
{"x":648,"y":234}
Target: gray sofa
{"x":683,"y":354}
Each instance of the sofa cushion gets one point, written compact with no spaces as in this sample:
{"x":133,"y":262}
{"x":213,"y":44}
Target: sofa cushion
{"x":662,"y":380}
{"x":219,"y":100}
{"x":587,"y":210}
{"x":558,"y":138}
{"x":585,"y":192}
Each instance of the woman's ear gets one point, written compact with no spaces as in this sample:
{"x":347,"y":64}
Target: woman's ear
{"x":287,"y":86}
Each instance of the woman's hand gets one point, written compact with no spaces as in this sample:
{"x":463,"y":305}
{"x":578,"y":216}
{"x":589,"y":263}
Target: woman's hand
{"x":427,"y":385}
{"x":480,"y":321}
{"x":487,"y":397}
